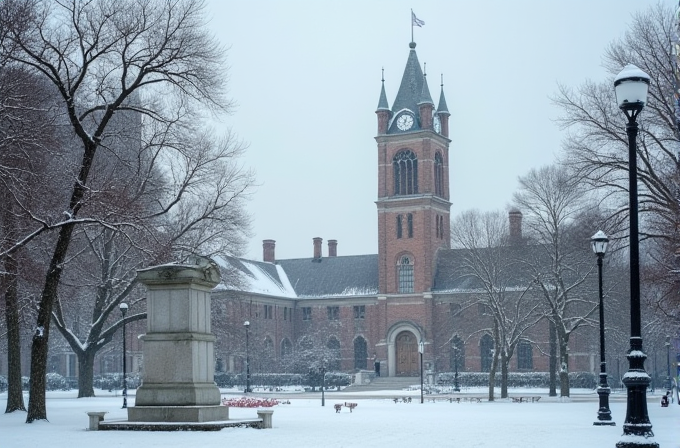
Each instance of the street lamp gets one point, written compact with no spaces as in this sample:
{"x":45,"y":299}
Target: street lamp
{"x":421,"y":349}
{"x":247,"y":325}
{"x":123,"y":307}
{"x":669,"y":384}
{"x":456,"y":354}
{"x":631,"y":87}
{"x":599,"y":242}
{"x":323,"y":384}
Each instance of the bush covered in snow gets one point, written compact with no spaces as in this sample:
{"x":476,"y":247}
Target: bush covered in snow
{"x":581,"y":380}
{"x":114,"y":381}
{"x":3,"y":383}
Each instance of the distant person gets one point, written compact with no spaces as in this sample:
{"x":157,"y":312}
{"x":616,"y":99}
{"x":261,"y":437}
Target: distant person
{"x":376,"y":365}
{"x":664,"y":400}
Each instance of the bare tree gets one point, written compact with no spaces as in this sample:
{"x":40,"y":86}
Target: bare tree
{"x":597,"y":144}
{"x":551,"y":199}
{"x":494,"y":262}
{"x":153,"y":59}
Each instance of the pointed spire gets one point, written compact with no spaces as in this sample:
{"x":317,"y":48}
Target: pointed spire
{"x":425,"y":97}
{"x":411,"y":84}
{"x":382,"y":102}
{"x":442,"y":108}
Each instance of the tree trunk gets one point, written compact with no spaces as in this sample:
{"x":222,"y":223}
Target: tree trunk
{"x":86,"y":372}
{"x":564,"y":370}
{"x":553,"y":360}
{"x":37,"y":410}
{"x":504,"y":375}
{"x":15,"y":397}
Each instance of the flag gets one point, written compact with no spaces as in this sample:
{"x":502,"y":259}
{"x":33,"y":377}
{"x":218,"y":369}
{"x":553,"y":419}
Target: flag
{"x":415,"y":20}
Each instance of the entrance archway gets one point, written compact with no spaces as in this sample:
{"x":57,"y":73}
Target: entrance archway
{"x":408,"y":358}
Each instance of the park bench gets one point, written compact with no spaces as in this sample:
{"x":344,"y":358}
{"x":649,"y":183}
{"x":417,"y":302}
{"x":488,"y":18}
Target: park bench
{"x":525,"y":399}
{"x":338,"y":406}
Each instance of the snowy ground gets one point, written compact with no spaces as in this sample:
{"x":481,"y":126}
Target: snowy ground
{"x":376,"y":422}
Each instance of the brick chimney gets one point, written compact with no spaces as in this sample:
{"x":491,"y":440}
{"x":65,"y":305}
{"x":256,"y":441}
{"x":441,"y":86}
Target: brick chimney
{"x":515,"y":218}
{"x":268,"y":251}
{"x":317,"y":248}
{"x":332,"y":248}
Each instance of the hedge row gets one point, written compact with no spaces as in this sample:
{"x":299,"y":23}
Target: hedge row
{"x":579,"y":380}
{"x":228,"y":380}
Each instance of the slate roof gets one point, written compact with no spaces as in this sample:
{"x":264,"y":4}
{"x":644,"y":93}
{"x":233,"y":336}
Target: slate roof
{"x":382,"y":102}
{"x":354,"y":275}
{"x":301,"y":278}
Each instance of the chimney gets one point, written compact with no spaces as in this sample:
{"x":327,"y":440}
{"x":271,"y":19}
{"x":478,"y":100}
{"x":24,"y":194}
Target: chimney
{"x":268,"y":254}
{"x":317,"y":248}
{"x":332,"y":248}
{"x":515,"y":218}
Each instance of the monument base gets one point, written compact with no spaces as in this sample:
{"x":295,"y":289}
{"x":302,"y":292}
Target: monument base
{"x":177,"y":394}
{"x":197,"y":414}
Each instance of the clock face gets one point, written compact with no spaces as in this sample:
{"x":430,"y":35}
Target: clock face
{"x":437,"y":124}
{"x":405,"y":122}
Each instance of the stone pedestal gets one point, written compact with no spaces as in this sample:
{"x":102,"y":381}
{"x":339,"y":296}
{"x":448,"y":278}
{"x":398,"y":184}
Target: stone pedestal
{"x":178,"y":378}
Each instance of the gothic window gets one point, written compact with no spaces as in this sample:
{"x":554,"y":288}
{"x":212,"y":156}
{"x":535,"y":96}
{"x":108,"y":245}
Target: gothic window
{"x":398,"y":226}
{"x":486,"y":352}
{"x":525,"y":356}
{"x":457,"y":354}
{"x":333,"y":312}
{"x":409,"y":219}
{"x":405,"y":166}
{"x":405,"y":269}
{"x":360,"y":353}
{"x":307,"y":313}
{"x":333,"y":346}
{"x":438,"y":175}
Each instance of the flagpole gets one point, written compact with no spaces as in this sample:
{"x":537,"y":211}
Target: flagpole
{"x":412,"y":25}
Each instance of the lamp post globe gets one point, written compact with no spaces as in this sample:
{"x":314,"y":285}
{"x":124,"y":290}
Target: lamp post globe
{"x":631,"y":86}
{"x":123,"y":307}
{"x":246,"y":324}
{"x":599,"y":243}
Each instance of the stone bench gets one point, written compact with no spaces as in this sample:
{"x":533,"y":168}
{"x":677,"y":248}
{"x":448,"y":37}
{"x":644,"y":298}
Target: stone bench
{"x":95,"y":418}
{"x":266,"y":416}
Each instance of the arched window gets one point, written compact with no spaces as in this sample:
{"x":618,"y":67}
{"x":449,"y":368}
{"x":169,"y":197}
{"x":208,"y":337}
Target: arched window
{"x":405,"y":166}
{"x":405,"y":269}
{"x":360,"y":353}
{"x":438,"y":175}
{"x":286,"y":348}
{"x":457,"y":354}
{"x":525,"y":356}
{"x":486,"y":352}
{"x":333,"y":346}
{"x":398,"y":226}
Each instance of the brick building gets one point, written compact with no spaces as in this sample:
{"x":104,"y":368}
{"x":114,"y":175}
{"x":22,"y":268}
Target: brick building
{"x":378,"y":307}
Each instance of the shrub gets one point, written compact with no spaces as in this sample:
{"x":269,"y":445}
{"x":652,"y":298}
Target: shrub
{"x":581,"y":380}
{"x":3,"y":383}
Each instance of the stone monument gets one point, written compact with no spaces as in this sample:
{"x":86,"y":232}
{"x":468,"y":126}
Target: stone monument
{"x":178,"y":378}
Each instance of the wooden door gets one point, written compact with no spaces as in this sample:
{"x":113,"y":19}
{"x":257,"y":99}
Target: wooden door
{"x":408,"y":358}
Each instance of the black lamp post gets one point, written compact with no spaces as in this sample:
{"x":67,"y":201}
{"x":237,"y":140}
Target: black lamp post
{"x":123,"y":307}
{"x":669,"y":384}
{"x":421,"y":349}
{"x":631,"y":87}
{"x":456,"y":354}
{"x":323,"y":384}
{"x":599,"y":242}
{"x":247,"y":325}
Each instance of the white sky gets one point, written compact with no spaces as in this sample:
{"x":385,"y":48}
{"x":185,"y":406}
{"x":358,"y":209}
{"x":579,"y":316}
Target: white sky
{"x":306,"y":77}
{"x":374,"y":423}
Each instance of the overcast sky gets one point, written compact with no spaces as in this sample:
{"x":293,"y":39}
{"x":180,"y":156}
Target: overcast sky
{"x":305,"y":75}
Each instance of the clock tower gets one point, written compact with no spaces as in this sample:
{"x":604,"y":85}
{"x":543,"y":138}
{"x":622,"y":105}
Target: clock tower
{"x":413,"y":183}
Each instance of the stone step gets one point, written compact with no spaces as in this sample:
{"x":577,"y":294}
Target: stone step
{"x":386,"y":383}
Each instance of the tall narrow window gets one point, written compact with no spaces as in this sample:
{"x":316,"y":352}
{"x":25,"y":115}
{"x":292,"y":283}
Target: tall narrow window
{"x":409,"y":219}
{"x":360,"y":353}
{"x":436,"y":220}
{"x":405,"y":167}
{"x":307,"y":313}
{"x":405,"y":269}
{"x":525,"y":358}
{"x":398,"y":226}
{"x":438,"y":175}
{"x":333,"y":346}
{"x":441,"y":227}
{"x":486,"y":352}
{"x":333,"y":312}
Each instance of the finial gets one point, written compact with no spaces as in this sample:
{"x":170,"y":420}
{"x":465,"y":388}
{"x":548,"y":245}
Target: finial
{"x":383,"y":74}
{"x":412,"y":45}
{"x":424,"y":68}
{"x":442,"y":84}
